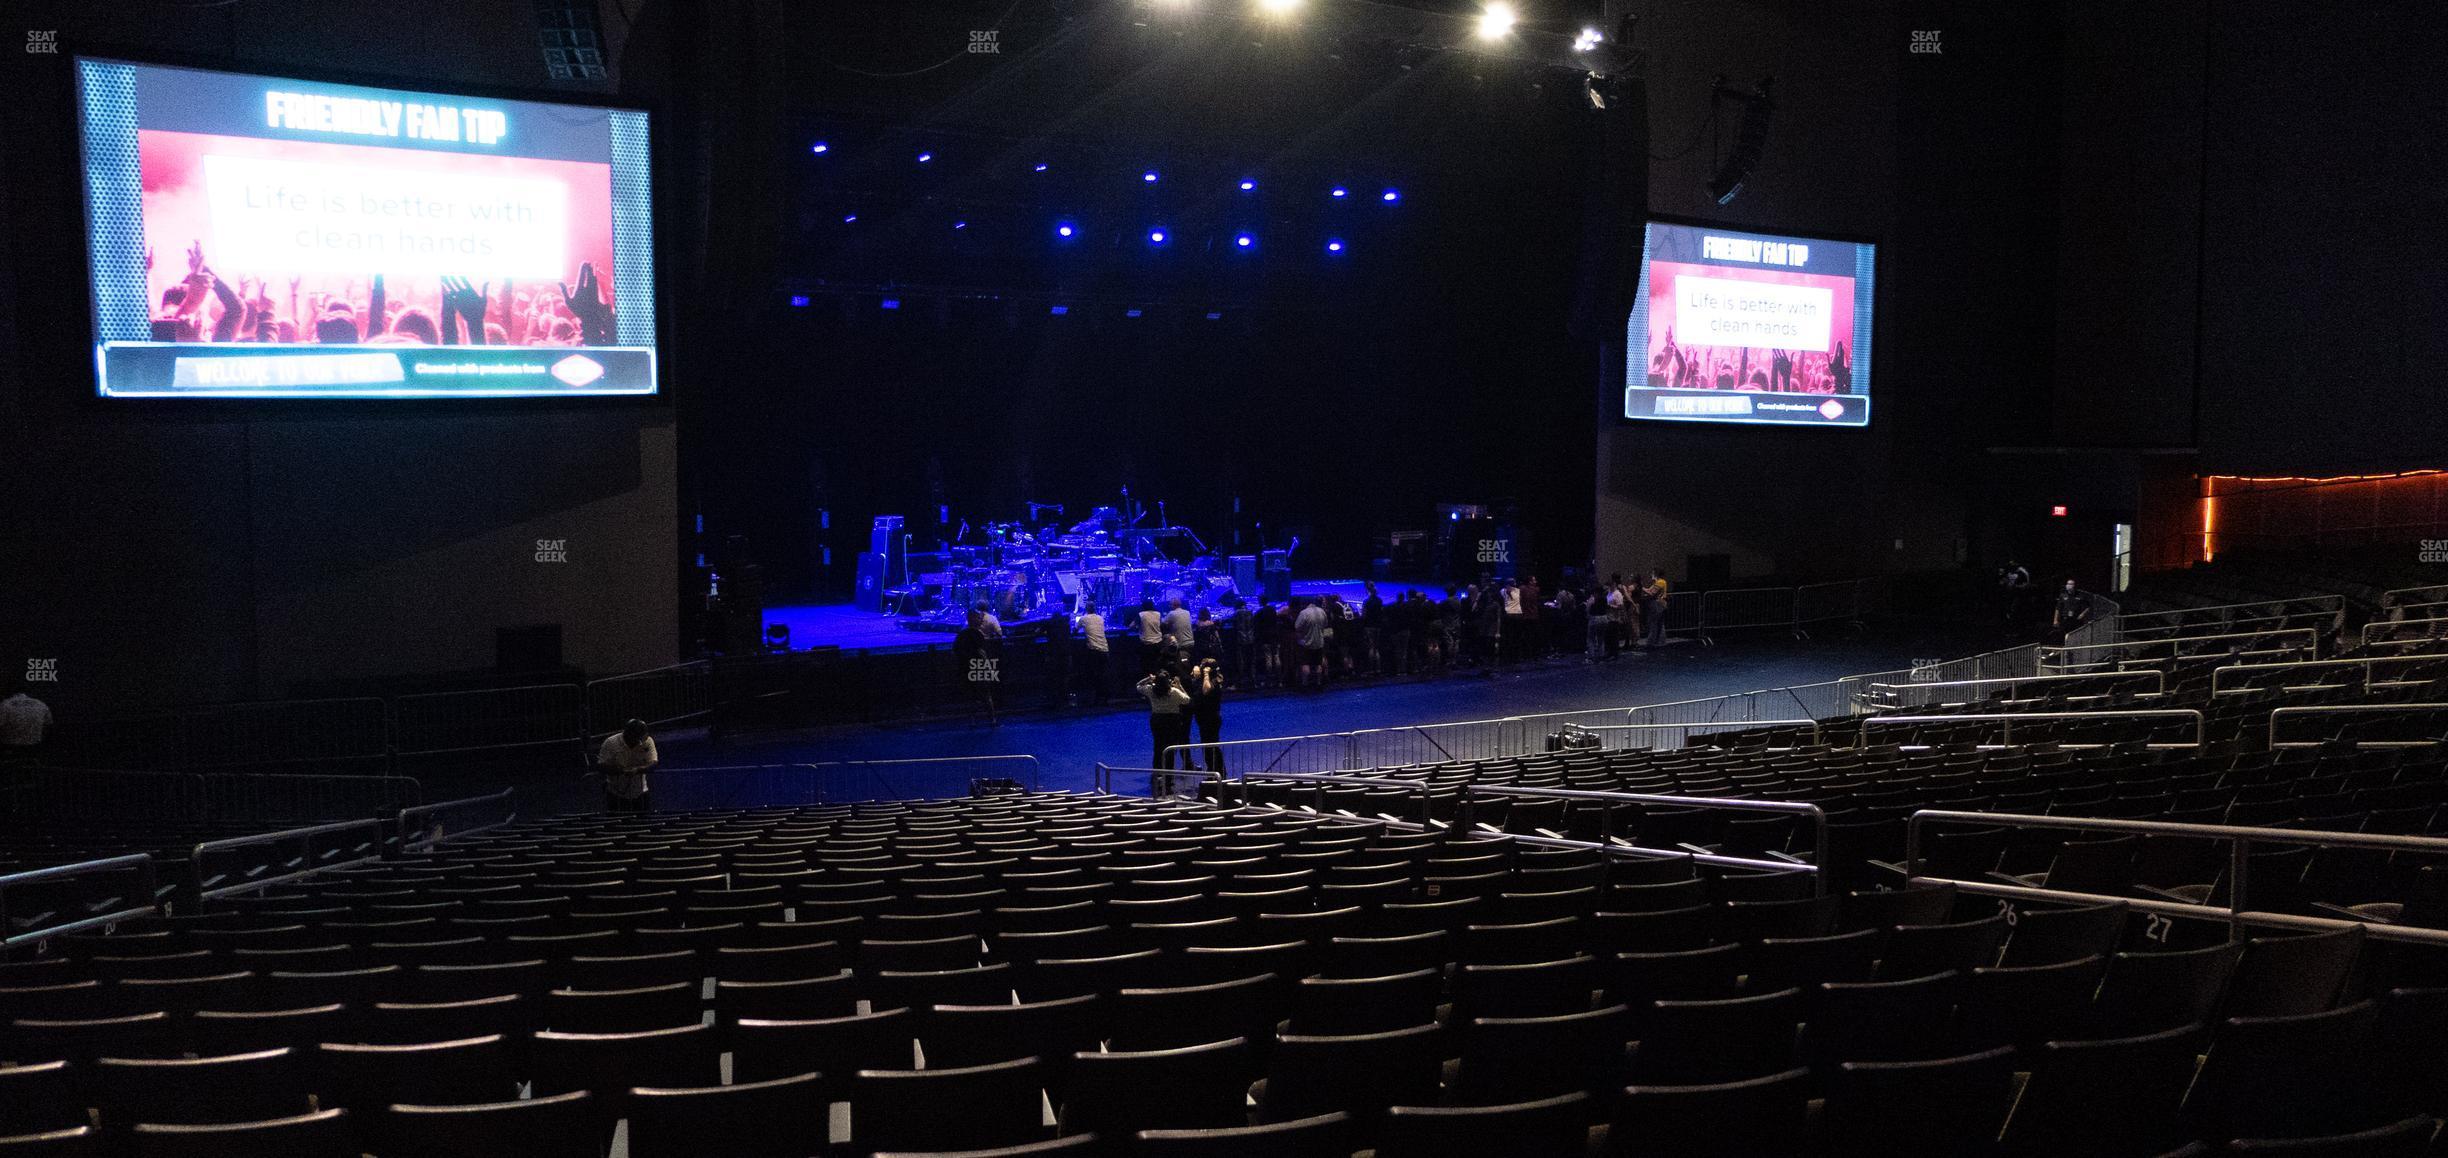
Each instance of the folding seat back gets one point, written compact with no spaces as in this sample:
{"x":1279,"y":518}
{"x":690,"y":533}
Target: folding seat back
{"x":769,"y":1119}
{"x":2026,"y":1005}
{"x":2048,"y":935}
{"x":322,"y":1134}
{"x":1953,"y":947}
{"x":1755,"y":1118}
{"x":2078,"y":1088}
{"x":1918,"y":1109}
{"x":546,"y":1126}
{"x":2292,"y":1075}
{"x":1358,"y":1073}
{"x":1341,"y":1006}
{"x":1698,"y":1042}
{"x":958,"y":1108}
{"x":1519,"y":1059}
{"x":2147,"y":992}
{"x":2282,"y":975}
{"x":1119,"y":1093}
{"x":1324,"y":1136}
{"x":1556,"y":1127}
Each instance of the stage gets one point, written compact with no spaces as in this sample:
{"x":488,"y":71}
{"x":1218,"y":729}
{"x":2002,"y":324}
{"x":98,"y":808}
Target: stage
{"x":845,"y":626}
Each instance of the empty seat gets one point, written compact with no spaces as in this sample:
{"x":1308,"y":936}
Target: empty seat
{"x":1954,"y":947}
{"x":2046,"y":936}
{"x":1532,"y":990}
{"x":1338,"y":1005}
{"x":2293,"y":974}
{"x":545,"y":1126}
{"x":2025,"y":1005}
{"x":622,"y":1010}
{"x":1120,"y":1093}
{"x":968,"y":1035}
{"x":607,"y":1065}
{"x":365,"y":1079}
{"x":2286,"y":1076}
{"x":1756,"y":1118}
{"x":72,"y":1142}
{"x":1157,"y":1019}
{"x":832,"y":1046}
{"x":1698,"y":1042}
{"x":1940,"y":1108}
{"x":234,"y":1088}
{"x":39,"y":1098}
{"x":1556,"y":1127}
{"x":1519,"y":1059}
{"x":956,"y":1108}
{"x":1323,"y":1136}
{"x":2136,"y":1082}
{"x":1882,"y":1021}
{"x":1358,"y":1073}
{"x":787,"y":999}
{"x":323,"y":1134}
{"x":2147,"y":992}
{"x":768,"y":1119}
{"x":2410,"y":1138}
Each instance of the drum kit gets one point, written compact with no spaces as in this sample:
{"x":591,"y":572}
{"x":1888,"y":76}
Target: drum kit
{"x":1022,"y":572}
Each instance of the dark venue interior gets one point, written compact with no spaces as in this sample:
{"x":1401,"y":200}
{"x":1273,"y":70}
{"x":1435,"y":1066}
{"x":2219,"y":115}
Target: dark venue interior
{"x":1166,"y":578}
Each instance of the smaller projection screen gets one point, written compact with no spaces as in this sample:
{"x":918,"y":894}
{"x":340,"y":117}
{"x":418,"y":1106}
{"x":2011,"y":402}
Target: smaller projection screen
{"x":1749,"y":328}
{"x":258,"y":237}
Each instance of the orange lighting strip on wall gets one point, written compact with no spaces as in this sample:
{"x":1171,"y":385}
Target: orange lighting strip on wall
{"x":2211,"y":484}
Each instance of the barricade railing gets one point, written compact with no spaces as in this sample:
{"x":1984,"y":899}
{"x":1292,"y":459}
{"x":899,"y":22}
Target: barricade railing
{"x":2403,"y":631}
{"x":491,"y":719}
{"x":1736,"y":608}
{"x":2169,"y":648}
{"x":1683,"y":619}
{"x":2419,"y":611}
{"x":426,"y":825}
{"x":266,"y":796}
{"x":2007,"y":721}
{"x":39,"y":794}
{"x":2365,"y":672}
{"x":272,"y":858}
{"x":68,"y":893}
{"x":1924,"y":693}
{"x":1682,"y":733}
{"x":681,"y":693}
{"x":2384,"y":713}
{"x":2331,"y":609}
{"x":1823,"y":602}
{"x":2390,"y":601}
{"x":722,"y":786}
{"x":2104,"y":624}
{"x":2237,"y":878}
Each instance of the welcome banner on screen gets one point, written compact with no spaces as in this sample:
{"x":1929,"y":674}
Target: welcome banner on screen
{"x":271,"y":238}
{"x":1730,"y":326}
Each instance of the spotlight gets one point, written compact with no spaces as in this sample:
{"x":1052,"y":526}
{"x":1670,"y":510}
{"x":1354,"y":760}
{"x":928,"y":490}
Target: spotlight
{"x":1131,"y":312}
{"x":1213,"y":315}
{"x":923,"y":158}
{"x":1247,"y":185}
{"x":1041,"y":167}
{"x":960,"y":225}
{"x":1588,"y":40}
{"x":1390,"y":195}
{"x":1334,"y":245}
{"x":1063,"y":230}
{"x":1496,"y":20}
{"x":820,"y":147}
{"x":1058,"y":311}
{"x":850,"y":218}
{"x":799,"y":300}
{"x":1339,"y":191}
{"x":891,"y":303}
{"x":1156,"y":237}
{"x":1244,"y":240}
{"x":1278,"y":7}
{"x":1149,"y":176}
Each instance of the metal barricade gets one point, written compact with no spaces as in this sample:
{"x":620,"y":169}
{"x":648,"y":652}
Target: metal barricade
{"x":2313,"y":610}
{"x":1924,"y":693}
{"x":2390,"y":601}
{"x":278,"y":796}
{"x":426,"y":825}
{"x":2401,"y":632}
{"x":1825,"y":602}
{"x":89,"y":894}
{"x":491,"y":719}
{"x":1667,"y":737}
{"x":1683,"y":609}
{"x":1739,"y":608}
{"x":2162,"y":650}
{"x":272,"y":858}
{"x":324,"y":732}
{"x":735,"y":786}
{"x":661,"y":696}
{"x":40,"y":794}
{"x":2238,"y":877}
{"x":2007,"y":721}
{"x":2386,"y":713}
{"x":2366,"y":673}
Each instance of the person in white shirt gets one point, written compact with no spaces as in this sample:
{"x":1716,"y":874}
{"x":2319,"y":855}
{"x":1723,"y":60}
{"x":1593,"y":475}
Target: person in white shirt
{"x":1168,"y":717}
{"x":1309,"y":627}
{"x":1177,"y":629}
{"x":23,"y":721}
{"x":1151,"y":639}
{"x":1095,"y":649}
{"x":626,"y":757}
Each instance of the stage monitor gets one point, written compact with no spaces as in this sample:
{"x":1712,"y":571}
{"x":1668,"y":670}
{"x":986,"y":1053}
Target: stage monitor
{"x":259,"y":237}
{"x":1749,"y":328}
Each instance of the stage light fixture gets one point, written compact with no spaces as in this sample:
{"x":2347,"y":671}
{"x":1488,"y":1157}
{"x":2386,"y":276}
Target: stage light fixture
{"x":1390,"y":195}
{"x":1339,"y":192}
{"x":1496,"y":20}
{"x":820,"y":147}
{"x":1588,"y":40}
{"x":799,"y":301}
{"x":1334,"y":245}
{"x":1041,"y":166}
{"x":848,"y":218}
{"x":1063,"y":230}
{"x":890,"y":303}
{"x":923,"y":158}
{"x":1247,"y":185}
{"x":1131,"y":312}
{"x":1058,"y":311}
{"x":1244,"y":241}
{"x":1156,"y":237}
{"x":1278,"y":7}
{"x":960,"y":225}
{"x":1149,"y":176}
{"x":1213,"y":315}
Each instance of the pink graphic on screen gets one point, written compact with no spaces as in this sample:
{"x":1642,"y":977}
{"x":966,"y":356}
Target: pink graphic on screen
{"x":257,"y":240}
{"x":1799,"y":327}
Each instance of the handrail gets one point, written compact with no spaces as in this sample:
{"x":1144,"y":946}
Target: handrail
{"x":2330,"y":605}
{"x":141,"y":863}
{"x":413,"y":820}
{"x":2394,"y":598}
{"x":1818,"y":730}
{"x":2176,"y":642}
{"x":1606,"y":817}
{"x":2240,"y":840}
{"x":2158,"y":681}
{"x":195,"y":858}
{"x":2431,"y":629}
{"x":2294,"y":710}
{"x":2007,"y":734}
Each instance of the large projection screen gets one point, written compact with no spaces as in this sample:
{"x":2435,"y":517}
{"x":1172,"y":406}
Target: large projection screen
{"x":1757,"y":328}
{"x":260,"y":237}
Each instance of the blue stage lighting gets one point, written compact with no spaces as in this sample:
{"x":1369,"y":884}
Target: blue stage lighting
{"x":799,"y":300}
{"x":1063,"y":230}
{"x":1131,"y":313}
{"x":1041,"y":166}
{"x":923,"y":158}
{"x":1156,"y":237}
{"x":891,"y":303}
{"x":1339,"y":191}
{"x":960,"y":225}
{"x":847,"y":219}
{"x":1247,"y":185}
{"x":820,"y":147}
{"x":1390,"y":195}
{"x":1213,"y":315}
{"x":1335,"y":245}
{"x":1149,"y":176}
{"x":1059,"y":311}
{"x":1245,"y":241}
